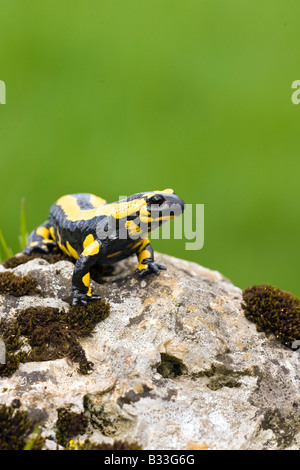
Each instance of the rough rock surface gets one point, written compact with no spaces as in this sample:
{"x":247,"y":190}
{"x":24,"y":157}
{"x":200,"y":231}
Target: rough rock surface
{"x":176,"y":364}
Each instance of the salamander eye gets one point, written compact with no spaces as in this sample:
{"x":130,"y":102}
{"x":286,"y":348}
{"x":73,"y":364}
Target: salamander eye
{"x":157,"y":199}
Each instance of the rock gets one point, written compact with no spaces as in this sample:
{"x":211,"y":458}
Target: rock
{"x":176,"y":364}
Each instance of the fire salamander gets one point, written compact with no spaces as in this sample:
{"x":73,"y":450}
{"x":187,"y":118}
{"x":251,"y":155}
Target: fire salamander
{"x":95,"y":232}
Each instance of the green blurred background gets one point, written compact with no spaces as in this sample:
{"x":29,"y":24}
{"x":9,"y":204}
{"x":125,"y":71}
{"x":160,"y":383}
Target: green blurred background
{"x":114,"y":97}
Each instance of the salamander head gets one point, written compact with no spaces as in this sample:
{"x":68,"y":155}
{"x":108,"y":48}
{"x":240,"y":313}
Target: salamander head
{"x":151,"y":209}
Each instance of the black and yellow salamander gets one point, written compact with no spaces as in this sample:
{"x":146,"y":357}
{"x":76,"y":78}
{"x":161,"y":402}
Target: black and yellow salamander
{"x":94,"y":232}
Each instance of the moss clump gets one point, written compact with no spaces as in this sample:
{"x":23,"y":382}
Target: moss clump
{"x":273,"y":311}
{"x":15,"y":429}
{"x":53,"y":257}
{"x":84,"y":318}
{"x":13,"y":361}
{"x":14,"y":426}
{"x":15,"y":261}
{"x":10,"y":284}
{"x":51,"y":333}
{"x":10,"y":333}
{"x":69,"y":424}
{"x":117,"y":445}
{"x":48,"y":334}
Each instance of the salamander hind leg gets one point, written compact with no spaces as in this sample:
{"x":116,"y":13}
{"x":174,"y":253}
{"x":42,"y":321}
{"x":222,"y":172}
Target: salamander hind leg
{"x":40,"y":240}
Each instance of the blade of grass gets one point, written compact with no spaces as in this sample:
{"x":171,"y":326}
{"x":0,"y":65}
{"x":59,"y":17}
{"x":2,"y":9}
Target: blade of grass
{"x":23,"y":226}
{"x":32,"y":438}
{"x":8,"y":253}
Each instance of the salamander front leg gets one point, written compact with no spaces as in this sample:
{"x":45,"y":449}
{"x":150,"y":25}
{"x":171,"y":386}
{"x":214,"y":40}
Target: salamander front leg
{"x":147,"y":265}
{"x":81,"y":290}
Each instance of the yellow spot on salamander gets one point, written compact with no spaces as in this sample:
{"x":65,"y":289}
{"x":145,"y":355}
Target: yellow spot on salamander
{"x":114,"y":254}
{"x":118,"y":210}
{"x":86,"y":279}
{"x":142,"y":266}
{"x":142,"y":256}
{"x":96,"y":201}
{"x":70,"y":207}
{"x":51,"y":230}
{"x":145,"y":216}
{"x":168,"y":191}
{"x":43,"y":232}
{"x":86,"y":282}
{"x":132,"y":227}
{"x":72,"y":251}
{"x":64,"y":249}
{"x":88,"y":240}
{"x":92,"y":249}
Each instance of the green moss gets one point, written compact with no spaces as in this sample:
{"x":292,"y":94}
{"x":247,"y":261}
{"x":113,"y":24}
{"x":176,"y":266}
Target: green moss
{"x":11,"y":335}
{"x":47,"y":333}
{"x":51,"y":333}
{"x":10,"y":284}
{"x":15,"y":430}
{"x":15,"y":261}
{"x":12,"y":364}
{"x":15,"y":427}
{"x":84,"y":318}
{"x":69,"y":424}
{"x":53,"y":257}
{"x":273,"y":311}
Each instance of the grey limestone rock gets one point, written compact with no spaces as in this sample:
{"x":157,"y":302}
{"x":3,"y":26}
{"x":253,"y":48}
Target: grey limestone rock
{"x":176,"y":364}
